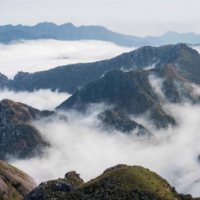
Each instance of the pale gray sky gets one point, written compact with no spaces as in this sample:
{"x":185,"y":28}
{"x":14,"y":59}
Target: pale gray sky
{"x":132,"y":17}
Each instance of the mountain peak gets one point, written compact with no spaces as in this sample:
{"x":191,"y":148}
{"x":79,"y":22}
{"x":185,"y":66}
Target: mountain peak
{"x":45,"y":24}
{"x":170,"y":33}
{"x":68,"y":25}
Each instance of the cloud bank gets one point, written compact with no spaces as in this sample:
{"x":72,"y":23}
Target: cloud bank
{"x":81,"y":145}
{"x":32,"y":56}
{"x":41,"y":99}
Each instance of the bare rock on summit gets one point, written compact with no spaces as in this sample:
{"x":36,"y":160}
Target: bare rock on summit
{"x":56,"y":189}
{"x":114,"y":167}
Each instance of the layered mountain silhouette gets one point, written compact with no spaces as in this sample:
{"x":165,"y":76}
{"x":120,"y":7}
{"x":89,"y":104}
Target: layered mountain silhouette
{"x":65,"y":32}
{"x":112,"y":120}
{"x":117,"y":182}
{"x":17,"y":35}
{"x":70,"y":32}
{"x":130,"y":92}
{"x":70,"y":78}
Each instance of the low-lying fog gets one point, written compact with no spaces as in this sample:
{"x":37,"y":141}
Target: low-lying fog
{"x":39,"y":55}
{"x":81,"y":144}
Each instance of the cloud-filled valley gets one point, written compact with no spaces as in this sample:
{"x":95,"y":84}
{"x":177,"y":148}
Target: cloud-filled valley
{"x":40,"y":55}
{"x":40,"y":99}
{"x":82,"y":144}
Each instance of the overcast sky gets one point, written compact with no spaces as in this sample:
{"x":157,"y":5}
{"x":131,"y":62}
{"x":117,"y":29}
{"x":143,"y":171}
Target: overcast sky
{"x":133,"y":17}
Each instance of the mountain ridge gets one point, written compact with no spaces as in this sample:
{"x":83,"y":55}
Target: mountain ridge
{"x":68,"y":31}
{"x":70,"y":78}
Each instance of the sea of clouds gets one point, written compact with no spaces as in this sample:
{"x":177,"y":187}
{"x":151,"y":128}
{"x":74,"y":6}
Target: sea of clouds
{"x":82,"y":145}
{"x":40,"y":55}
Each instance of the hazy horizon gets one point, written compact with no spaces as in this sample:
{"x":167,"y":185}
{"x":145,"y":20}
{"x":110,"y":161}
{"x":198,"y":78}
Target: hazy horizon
{"x":139,"y":18}
{"x":101,"y":26}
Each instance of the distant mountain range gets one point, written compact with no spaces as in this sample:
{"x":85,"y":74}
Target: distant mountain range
{"x":70,"y":32}
{"x":72,"y":77}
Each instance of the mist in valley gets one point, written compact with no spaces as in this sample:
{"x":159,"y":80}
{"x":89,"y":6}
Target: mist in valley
{"x":81,"y":143}
{"x":39,"y":55}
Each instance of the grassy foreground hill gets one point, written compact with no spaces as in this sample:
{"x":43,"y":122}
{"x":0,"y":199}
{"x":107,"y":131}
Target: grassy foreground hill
{"x":14,"y":183}
{"x":120,"y":182}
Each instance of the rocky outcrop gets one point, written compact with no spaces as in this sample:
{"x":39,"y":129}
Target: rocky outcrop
{"x":112,"y":120}
{"x":3,"y":80}
{"x":57,"y":188}
{"x":116,"y":183}
{"x":18,"y":138}
{"x":14,"y":183}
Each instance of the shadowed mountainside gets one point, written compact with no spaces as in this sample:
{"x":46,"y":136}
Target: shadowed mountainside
{"x":17,"y":137}
{"x":68,"y":32}
{"x":70,"y":78}
{"x":132,"y":93}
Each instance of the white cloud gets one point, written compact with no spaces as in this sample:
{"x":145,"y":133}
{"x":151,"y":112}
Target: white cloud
{"x":41,"y":99}
{"x":80,"y":145}
{"x":32,"y":56}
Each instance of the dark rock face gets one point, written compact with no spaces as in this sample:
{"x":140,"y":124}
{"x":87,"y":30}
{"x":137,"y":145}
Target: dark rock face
{"x":132,"y":93}
{"x":70,"y":78}
{"x":57,"y":188}
{"x":112,"y":120}
{"x":17,"y":138}
{"x":116,"y":183}
{"x":14,"y":183}
{"x":3,"y":80}
{"x":74,"y":179}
